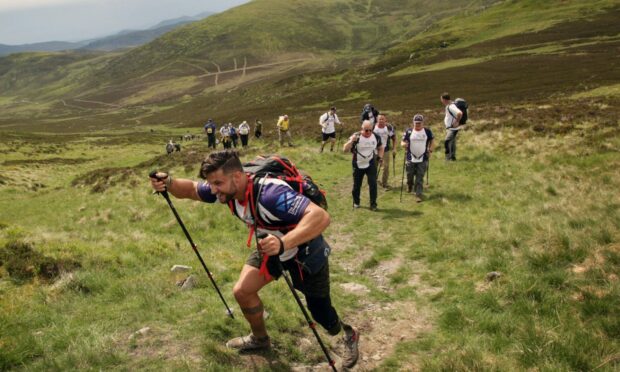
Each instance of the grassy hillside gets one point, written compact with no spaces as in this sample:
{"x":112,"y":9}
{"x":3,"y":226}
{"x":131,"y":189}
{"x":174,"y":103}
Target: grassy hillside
{"x":85,"y":253}
{"x":86,"y":249}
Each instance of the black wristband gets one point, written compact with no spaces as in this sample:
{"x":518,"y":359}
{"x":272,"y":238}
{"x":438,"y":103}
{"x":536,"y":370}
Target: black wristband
{"x":281,"y":246}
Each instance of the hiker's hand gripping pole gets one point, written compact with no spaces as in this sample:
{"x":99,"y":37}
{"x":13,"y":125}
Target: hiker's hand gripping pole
{"x":164,"y":193}
{"x":311,"y":324}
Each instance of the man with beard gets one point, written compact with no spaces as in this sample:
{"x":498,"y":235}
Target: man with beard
{"x":294,"y":226}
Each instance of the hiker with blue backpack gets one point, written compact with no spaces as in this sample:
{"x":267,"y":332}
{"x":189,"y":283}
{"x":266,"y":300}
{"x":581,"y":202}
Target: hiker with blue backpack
{"x":280,"y":208}
{"x":456,"y":116}
{"x":418,"y":143}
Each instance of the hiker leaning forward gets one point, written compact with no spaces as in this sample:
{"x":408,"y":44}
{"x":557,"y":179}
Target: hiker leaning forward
{"x":295,"y":238}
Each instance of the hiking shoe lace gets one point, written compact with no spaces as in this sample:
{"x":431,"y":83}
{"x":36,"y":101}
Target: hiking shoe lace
{"x":351,"y":352}
{"x":249,"y":342}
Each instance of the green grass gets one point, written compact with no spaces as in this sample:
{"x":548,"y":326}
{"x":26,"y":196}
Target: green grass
{"x":550,"y":223}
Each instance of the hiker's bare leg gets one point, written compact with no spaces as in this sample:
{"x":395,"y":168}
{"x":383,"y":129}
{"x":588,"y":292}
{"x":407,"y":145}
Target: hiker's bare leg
{"x":246,"y":293}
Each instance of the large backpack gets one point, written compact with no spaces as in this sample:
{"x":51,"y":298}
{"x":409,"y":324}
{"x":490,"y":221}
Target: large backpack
{"x":274,"y":166}
{"x":462,"y":105}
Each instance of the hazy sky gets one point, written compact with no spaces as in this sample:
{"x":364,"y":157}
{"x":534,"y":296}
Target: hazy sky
{"x":31,"y":21}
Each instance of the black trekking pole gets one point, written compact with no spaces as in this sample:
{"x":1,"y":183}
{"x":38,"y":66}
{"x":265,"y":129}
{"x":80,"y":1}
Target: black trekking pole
{"x":339,"y":136}
{"x":164,"y":193}
{"x":393,"y":162}
{"x":402,"y":180}
{"x":285,"y":274}
{"x":428,"y":168}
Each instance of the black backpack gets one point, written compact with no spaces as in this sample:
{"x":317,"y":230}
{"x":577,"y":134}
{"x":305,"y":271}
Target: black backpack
{"x":462,"y":105}
{"x":274,"y":166}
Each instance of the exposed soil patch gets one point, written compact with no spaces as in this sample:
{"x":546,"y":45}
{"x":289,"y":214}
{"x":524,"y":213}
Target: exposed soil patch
{"x":55,"y":161}
{"x":23,"y":262}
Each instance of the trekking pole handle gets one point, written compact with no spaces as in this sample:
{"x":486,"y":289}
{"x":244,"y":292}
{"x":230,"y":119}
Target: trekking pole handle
{"x":154,"y":174}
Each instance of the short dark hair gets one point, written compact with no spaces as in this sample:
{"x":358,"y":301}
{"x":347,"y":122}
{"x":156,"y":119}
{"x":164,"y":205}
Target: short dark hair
{"x":445,"y":95}
{"x":227,"y":160}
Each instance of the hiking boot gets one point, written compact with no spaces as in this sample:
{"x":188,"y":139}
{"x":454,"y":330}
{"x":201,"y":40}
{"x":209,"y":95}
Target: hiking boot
{"x":355,"y":206}
{"x":351,"y":352}
{"x":409,"y":188}
{"x":418,"y":198}
{"x":249,"y":342}
{"x":374,"y":208}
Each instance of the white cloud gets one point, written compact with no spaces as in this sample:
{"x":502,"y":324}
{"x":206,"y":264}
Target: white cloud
{"x":9,"y":5}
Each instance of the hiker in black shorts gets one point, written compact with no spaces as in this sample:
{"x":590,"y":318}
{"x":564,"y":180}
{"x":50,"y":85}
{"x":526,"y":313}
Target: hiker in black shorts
{"x":294,"y":226}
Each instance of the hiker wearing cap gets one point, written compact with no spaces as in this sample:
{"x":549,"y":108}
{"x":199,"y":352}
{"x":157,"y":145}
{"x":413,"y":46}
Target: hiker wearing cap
{"x":363,"y":145}
{"x":284,"y":130}
{"x":388,"y":138}
{"x":328,"y":122}
{"x":258,"y":128}
{"x":418,"y":142}
{"x":210,"y":129}
{"x":451,"y":122}
{"x":369,"y":113}
{"x":289,"y":237}
{"x":244,"y":133}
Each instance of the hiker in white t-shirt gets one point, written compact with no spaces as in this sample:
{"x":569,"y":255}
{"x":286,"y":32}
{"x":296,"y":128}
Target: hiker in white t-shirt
{"x":451,"y":122}
{"x":244,"y":133}
{"x":388,"y":138}
{"x":328,"y":122}
{"x":419,"y":144}
{"x":363,"y":146}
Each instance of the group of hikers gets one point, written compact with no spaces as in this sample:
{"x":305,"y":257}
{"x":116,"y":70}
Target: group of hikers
{"x":229,"y":134}
{"x":287,"y":226}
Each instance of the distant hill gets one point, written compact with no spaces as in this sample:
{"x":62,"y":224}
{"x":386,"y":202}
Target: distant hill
{"x":122,"y":39}
{"x":48,"y":46}
{"x":306,"y":54}
{"x":133,"y":38}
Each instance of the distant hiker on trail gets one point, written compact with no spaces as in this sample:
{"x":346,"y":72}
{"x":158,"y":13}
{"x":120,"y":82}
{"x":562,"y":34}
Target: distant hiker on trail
{"x":388,"y":138}
{"x":363,"y":145}
{"x":233,"y":134}
{"x":451,"y":122}
{"x":258,"y":128}
{"x":328,"y":122}
{"x":284,"y":130}
{"x":244,"y":133}
{"x":419,"y":144}
{"x":210,"y":129}
{"x":369,"y":113}
{"x":294,"y":238}
{"x":225,"y":136}
{"x":169,"y":147}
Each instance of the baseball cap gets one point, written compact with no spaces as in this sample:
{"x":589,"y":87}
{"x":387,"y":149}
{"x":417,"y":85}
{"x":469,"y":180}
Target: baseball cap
{"x":418,"y":118}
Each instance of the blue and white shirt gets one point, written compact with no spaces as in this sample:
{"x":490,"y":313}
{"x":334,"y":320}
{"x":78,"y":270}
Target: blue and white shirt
{"x":280,"y":208}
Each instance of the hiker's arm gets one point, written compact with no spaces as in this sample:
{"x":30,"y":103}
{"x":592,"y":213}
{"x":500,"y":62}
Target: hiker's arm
{"x":347,"y":146}
{"x":381,"y":151}
{"x":431,"y":145}
{"x":311,"y":225}
{"x":179,"y":187}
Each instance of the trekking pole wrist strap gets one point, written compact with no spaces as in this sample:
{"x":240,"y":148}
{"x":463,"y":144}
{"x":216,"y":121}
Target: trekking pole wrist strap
{"x":168,"y":182}
{"x":281,"y":245}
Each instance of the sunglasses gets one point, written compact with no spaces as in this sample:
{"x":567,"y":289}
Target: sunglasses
{"x":367,"y":130}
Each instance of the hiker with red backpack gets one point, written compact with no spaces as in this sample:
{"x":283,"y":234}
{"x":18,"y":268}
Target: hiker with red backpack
{"x":287,"y":227}
{"x":363,"y":145}
{"x":456,"y":116}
